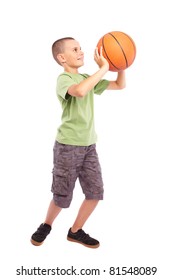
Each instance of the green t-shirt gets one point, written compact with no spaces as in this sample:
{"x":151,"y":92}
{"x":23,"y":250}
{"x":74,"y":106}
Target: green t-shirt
{"x":77,"y":127}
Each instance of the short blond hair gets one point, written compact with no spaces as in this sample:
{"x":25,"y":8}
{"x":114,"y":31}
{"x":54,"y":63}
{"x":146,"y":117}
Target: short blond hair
{"x":58,"y":47}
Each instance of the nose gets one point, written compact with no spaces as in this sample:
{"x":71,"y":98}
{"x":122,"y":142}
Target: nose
{"x":81,"y":52}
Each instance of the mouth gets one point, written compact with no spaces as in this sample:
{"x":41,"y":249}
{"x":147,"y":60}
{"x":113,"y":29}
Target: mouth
{"x":81,"y":58}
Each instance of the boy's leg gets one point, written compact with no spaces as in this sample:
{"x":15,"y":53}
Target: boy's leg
{"x":44,"y":229}
{"x":76,"y":233}
{"x":90,"y":178}
{"x":85,"y":211}
{"x":52,"y":213}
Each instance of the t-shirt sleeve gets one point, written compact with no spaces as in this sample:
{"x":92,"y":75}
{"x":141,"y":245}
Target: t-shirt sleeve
{"x":64,"y":81}
{"x":101,"y":86}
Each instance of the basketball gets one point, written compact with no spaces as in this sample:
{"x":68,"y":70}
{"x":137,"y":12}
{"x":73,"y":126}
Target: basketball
{"x":118,"y":49}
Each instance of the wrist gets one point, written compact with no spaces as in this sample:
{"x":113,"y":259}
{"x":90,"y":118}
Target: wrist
{"x":105,"y":68}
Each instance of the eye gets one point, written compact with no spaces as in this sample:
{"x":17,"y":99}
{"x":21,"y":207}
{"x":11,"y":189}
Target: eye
{"x":77,"y":49}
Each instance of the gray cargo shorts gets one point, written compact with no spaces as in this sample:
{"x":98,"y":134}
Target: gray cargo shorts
{"x":72,"y":162}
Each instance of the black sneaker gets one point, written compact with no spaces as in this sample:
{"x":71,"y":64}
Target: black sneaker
{"x":81,"y":237}
{"x":40,"y":235}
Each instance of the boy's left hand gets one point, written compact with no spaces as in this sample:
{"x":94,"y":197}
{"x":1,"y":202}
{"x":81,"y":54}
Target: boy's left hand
{"x":99,"y":59}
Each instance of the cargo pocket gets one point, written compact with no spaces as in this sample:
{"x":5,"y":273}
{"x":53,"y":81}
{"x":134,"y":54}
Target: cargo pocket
{"x":60,"y":183}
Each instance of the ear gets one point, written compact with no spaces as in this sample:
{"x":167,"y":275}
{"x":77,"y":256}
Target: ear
{"x":61,"y":58}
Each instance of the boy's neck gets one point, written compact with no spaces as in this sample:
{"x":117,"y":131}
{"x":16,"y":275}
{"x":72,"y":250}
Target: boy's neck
{"x":71,"y":70}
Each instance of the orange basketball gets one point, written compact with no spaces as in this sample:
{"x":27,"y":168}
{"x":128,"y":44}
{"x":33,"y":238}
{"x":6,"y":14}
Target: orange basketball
{"x":119,"y":50}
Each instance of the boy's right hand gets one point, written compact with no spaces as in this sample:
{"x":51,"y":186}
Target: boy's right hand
{"x":100,"y":60}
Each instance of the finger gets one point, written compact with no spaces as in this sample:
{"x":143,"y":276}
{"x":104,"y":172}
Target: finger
{"x":96,"y":51}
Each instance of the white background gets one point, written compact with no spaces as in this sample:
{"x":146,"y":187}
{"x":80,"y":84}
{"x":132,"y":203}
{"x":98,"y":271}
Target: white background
{"x":134,"y":126}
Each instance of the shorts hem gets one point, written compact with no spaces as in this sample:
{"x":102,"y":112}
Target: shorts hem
{"x":60,"y":203}
{"x":92,"y":197}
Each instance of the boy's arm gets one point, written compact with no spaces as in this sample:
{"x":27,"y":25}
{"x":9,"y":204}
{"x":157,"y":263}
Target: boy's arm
{"x":120,"y":82}
{"x":81,"y":89}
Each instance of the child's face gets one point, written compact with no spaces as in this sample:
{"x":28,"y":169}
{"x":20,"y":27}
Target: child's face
{"x":73,"y":55}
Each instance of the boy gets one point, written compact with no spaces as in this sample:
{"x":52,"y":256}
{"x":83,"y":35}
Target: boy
{"x":75,"y":153}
